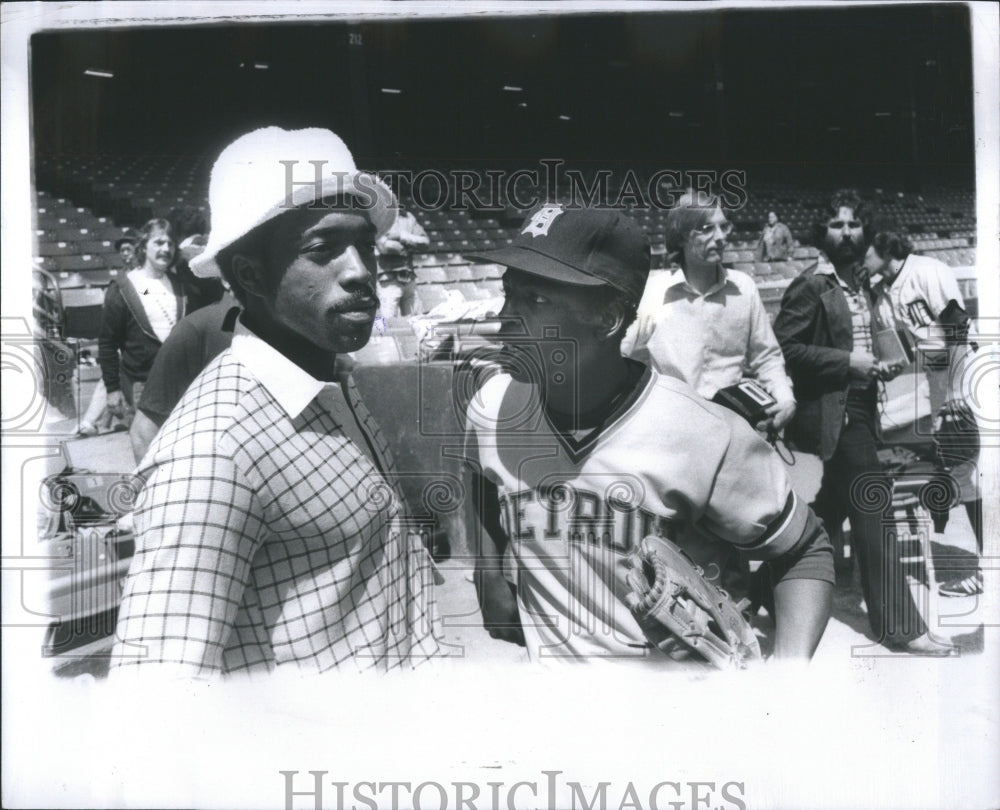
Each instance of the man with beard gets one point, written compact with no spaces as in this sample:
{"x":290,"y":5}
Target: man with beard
{"x":825,"y":331}
{"x":269,"y":530}
{"x":576,"y":453}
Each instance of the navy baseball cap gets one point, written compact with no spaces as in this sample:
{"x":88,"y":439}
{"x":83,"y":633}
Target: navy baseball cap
{"x":587,"y":247}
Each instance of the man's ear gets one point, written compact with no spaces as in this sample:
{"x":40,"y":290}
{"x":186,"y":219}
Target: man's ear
{"x":249,"y":274}
{"x":612,"y":319}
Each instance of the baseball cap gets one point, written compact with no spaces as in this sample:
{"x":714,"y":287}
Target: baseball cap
{"x":585,"y":247}
{"x":266,"y":172}
{"x":128,"y":235}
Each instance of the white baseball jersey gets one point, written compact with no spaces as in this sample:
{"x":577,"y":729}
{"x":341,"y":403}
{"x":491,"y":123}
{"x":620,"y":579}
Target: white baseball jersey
{"x":918,"y":296}
{"x":915,"y":301}
{"x":665,"y":462}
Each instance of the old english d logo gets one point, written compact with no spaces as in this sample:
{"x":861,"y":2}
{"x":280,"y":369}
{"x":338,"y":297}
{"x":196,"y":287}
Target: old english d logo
{"x":542,"y":220}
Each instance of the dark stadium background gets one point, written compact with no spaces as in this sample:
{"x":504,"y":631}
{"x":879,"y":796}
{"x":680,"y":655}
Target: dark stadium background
{"x":793,"y":95}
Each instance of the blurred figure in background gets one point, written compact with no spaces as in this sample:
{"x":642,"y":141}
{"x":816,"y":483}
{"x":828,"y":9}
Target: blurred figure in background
{"x":397,"y":283}
{"x":190,"y":231}
{"x":776,"y":241}
{"x":140,"y":310}
{"x":126,"y":248}
{"x":97,"y":418}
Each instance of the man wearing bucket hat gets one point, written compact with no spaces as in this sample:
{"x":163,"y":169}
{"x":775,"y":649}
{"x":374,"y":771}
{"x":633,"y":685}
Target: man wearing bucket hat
{"x":576,"y":453}
{"x":268,"y":530}
{"x":125,"y":245}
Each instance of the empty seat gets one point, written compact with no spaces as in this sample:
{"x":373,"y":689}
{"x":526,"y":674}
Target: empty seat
{"x":82,"y":312}
{"x":458,"y":272}
{"x":471,"y":291}
{"x":68,"y":281}
{"x":430,"y":275}
{"x":57,"y":248}
{"x":97,"y":247}
{"x":98,"y":276}
{"x":431,"y":295}
{"x":493,"y":286}
{"x":78,"y":262}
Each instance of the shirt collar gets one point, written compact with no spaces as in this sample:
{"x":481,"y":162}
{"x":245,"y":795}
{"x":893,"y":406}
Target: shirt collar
{"x":292,"y":387}
{"x":827,"y":269}
{"x":677,"y":278}
{"x":824,"y":268}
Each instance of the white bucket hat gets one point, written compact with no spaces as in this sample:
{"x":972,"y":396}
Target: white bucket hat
{"x":268,"y":171}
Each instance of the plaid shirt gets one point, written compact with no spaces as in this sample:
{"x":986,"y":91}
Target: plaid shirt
{"x":859,"y":303}
{"x":266,"y":533}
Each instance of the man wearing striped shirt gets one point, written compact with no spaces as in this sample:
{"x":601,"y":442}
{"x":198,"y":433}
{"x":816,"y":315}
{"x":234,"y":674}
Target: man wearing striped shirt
{"x":269,"y":532}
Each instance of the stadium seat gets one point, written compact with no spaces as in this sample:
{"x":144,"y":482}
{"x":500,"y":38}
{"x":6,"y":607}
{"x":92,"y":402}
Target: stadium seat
{"x":77,"y":262}
{"x":430,"y":275}
{"x":431,"y":295}
{"x":82,"y":312}
{"x":458,"y":272}
{"x":57,"y":249}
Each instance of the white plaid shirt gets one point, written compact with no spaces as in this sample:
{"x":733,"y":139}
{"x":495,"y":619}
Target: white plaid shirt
{"x":266,"y":533}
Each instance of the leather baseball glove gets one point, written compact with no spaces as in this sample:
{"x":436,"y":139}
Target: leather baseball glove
{"x":683,"y":614}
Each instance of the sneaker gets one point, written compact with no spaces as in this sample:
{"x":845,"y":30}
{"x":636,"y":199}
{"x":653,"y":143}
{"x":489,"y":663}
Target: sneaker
{"x":971,"y":585}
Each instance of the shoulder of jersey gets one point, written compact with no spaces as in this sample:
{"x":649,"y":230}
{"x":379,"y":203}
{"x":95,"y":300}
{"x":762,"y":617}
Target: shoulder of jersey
{"x":485,"y":404}
{"x":677,"y":409}
{"x":926,"y":267}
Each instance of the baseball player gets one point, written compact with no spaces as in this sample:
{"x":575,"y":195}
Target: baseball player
{"x":576,"y":453}
{"x":922,"y":296}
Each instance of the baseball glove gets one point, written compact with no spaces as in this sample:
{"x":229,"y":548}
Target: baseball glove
{"x":683,"y":614}
{"x":956,"y":435}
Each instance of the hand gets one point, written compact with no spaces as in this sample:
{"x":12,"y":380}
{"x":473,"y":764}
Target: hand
{"x":888,"y":371}
{"x":779,"y":415}
{"x":863,"y":366}
{"x":498,"y":603}
{"x":390,"y":246}
{"x":116,"y":403}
